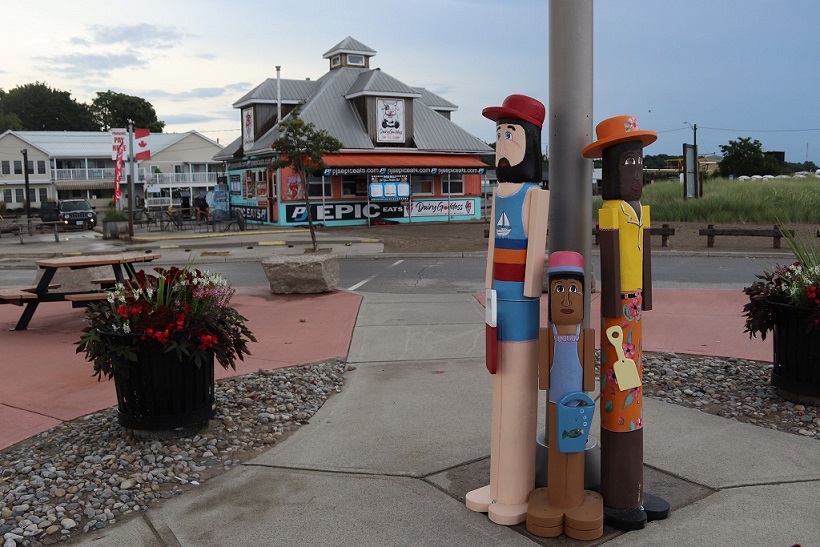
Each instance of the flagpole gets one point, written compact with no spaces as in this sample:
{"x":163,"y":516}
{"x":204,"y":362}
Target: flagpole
{"x":131,"y":179}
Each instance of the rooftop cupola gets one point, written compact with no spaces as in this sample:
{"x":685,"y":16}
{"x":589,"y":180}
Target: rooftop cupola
{"x":351,"y":53}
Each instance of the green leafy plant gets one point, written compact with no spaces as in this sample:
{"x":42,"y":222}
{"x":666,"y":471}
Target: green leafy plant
{"x":185,"y":311}
{"x":301,"y":147}
{"x":797,"y":284}
{"x":112,"y":215}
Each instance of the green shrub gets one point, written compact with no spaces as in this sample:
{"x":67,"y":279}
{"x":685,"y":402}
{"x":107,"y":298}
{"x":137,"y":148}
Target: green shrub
{"x":113,"y":215}
{"x":732,"y":201}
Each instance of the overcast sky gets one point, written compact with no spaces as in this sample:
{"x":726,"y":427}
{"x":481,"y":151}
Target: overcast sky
{"x":736,"y":68}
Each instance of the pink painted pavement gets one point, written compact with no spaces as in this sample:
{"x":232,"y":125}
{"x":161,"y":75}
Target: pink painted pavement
{"x":43,"y":381}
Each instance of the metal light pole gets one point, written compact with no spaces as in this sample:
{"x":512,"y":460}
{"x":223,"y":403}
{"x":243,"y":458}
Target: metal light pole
{"x":570,"y":183}
{"x":570,"y":130}
{"x":27,"y":200}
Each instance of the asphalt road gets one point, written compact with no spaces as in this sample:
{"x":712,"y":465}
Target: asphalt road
{"x":466,"y":275}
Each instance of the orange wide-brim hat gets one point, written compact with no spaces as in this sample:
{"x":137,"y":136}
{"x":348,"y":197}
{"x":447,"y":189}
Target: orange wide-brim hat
{"x":518,"y":107}
{"x":615,"y":130}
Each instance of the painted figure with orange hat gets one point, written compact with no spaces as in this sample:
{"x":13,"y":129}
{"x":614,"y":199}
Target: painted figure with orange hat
{"x":626,"y":292}
{"x":515,"y":269}
{"x":567,"y":370}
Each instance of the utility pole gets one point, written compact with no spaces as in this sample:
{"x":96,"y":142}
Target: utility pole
{"x":133,"y":169}
{"x":27,"y":201}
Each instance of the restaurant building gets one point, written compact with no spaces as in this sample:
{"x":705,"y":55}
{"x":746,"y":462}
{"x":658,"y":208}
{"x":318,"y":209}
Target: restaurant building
{"x":403,"y":159}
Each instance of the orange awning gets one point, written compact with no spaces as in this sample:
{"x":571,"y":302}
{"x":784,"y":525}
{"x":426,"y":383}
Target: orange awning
{"x":403,"y":160}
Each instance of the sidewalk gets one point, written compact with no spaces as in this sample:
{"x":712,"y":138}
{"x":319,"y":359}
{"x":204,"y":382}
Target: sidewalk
{"x":389,"y":459}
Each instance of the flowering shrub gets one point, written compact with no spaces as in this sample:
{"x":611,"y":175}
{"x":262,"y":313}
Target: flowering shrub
{"x":797,"y":284}
{"x":185,"y":311}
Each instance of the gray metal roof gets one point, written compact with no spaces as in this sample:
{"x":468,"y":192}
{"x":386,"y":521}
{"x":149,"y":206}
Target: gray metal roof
{"x":89,"y":144}
{"x":376,"y":82}
{"x":434,"y":132}
{"x":436,"y":102}
{"x":293,"y":92}
{"x":349,"y":45}
{"x":327,"y":104}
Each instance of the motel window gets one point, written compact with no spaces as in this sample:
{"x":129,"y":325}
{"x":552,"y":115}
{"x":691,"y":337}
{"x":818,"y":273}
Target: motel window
{"x":315,"y":187}
{"x":452,"y":184}
{"x":30,"y":167}
{"x":355,"y":60}
{"x":354,"y":185}
{"x":422,"y":184}
{"x":18,"y":167}
{"x":7,"y":195}
{"x":6,"y":167}
{"x":18,"y":195}
{"x":32,"y":195}
{"x":43,"y":194}
{"x":41,"y":167}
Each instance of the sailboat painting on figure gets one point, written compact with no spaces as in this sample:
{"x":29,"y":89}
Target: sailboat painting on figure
{"x":502,"y":227}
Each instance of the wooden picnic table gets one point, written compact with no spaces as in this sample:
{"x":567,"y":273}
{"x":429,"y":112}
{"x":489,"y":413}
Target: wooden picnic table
{"x":122,"y":265}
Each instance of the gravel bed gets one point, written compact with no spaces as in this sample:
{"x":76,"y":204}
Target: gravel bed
{"x":732,"y":388}
{"x":88,"y":474}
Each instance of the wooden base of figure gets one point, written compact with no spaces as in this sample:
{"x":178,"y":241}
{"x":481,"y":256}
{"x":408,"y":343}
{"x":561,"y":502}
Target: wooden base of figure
{"x":512,"y":437}
{"x":627,"y":506}
{"x":480,"y":501}
{"x":584,"y":522}
{"x":563,"y":506}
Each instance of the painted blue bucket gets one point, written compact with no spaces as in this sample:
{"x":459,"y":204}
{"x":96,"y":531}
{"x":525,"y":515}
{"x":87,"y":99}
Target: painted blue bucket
{"x":573,"y":416}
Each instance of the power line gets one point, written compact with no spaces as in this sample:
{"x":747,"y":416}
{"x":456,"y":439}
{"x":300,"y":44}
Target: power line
{"x":760,"y":130}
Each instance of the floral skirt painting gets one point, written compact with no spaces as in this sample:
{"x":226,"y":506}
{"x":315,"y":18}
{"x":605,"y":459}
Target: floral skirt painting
{"x":621,"y":410}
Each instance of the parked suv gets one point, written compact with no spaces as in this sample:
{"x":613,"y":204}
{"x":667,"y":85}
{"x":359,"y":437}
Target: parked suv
{"x":49,"y":211}
{"x":77,"y":212}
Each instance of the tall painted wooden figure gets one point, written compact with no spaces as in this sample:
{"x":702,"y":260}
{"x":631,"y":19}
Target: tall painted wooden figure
{"x":515,"y":270}
{"x":567,"y":370}
{"x":626,"y":292}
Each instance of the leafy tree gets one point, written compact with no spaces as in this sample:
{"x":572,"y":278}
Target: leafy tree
{"x":746,"y":157}
{"x":804,"y":166}
{"x":41,"y":108}
{"x":112,"y":109}
{"x":301,"y":147}
{"x":8,"y":121}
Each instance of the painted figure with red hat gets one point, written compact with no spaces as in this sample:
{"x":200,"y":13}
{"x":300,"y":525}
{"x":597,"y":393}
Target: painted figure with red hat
{"x":567,"y":371}
{"x":515,"y":269}
{"x":626,"y":292}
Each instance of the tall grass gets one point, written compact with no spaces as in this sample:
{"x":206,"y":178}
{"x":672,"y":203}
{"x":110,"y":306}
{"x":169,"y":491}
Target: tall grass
{"x":769,"y":201}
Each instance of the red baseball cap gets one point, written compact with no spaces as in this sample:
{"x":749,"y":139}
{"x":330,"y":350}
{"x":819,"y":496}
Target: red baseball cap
{"x":518,"y":107}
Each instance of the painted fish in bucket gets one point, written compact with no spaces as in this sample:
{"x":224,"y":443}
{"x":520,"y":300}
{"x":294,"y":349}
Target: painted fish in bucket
{"x":574,"y":414}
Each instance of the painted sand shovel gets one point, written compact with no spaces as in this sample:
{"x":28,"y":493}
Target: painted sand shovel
{"x":626,"y":371}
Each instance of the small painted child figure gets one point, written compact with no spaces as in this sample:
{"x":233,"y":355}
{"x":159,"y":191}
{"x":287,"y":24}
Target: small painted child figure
{"x":566,"y":370}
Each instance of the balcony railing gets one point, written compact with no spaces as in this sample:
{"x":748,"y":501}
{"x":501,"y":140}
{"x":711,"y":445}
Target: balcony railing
{"x":104,"y":173}
{"x":183,"y":178}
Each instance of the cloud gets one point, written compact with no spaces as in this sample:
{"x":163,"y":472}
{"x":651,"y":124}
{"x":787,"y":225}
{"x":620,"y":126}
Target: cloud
{"x":93,"y":63}
{"x":201,"y":92}
{"x":190,"y":119}
{"x":141,"y":35}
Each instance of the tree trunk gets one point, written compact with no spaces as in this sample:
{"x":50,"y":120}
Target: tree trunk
{"x":305,"y":189}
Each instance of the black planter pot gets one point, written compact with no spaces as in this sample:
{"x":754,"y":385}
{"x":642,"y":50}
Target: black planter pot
{"x":165,"y":392}
{"x":796,"y":342}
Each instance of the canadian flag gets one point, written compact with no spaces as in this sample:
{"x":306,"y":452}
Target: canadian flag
{"x":142,"y":144}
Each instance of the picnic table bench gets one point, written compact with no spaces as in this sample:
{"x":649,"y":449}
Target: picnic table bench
{"x":711,"y":232}
{"x":122,"y":265}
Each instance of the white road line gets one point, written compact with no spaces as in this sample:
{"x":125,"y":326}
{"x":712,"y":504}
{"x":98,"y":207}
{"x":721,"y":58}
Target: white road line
{"x":360,"y":283}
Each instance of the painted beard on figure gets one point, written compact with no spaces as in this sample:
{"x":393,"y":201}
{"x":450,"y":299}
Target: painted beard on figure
{"x":528,"y":169}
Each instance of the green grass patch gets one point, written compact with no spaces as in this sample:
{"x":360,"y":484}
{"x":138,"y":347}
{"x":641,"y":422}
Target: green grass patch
{"x":793,"y":200}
